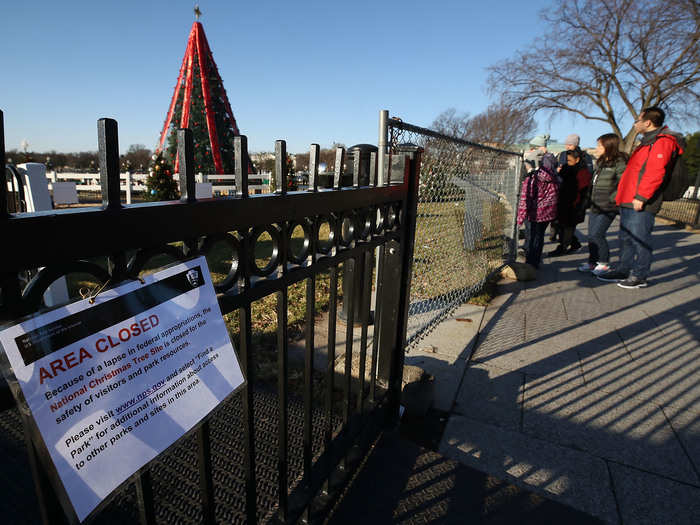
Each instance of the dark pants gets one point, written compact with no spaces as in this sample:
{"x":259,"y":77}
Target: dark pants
{"x":598,"y":224}
{"x":534,"y":232}
{"x":635,"y":242}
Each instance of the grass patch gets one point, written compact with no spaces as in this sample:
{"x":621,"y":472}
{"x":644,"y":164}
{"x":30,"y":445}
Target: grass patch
{"x":446,"y":260}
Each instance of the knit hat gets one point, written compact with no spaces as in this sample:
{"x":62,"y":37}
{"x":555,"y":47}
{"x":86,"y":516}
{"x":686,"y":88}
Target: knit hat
{"x":539,"y":140}
{"x":572,"y":140}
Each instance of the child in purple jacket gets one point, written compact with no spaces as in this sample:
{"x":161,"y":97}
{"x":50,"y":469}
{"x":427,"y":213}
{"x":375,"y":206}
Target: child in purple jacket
{"x":538,"y":206}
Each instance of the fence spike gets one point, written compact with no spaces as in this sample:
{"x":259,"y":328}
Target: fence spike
{"x":240,"y":146}
{"x":281,"y":167}
{"x":373,"y":169}
{"x":108,"y":141}
{"x":339,"y":162}
{"x":356,"y":157}
{"x":314,"y":154}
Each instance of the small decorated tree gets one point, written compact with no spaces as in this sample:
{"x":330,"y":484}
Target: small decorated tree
{"x":160,"y":184}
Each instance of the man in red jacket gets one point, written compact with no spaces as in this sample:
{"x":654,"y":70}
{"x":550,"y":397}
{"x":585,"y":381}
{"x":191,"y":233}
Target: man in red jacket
{"x":639,"y":197}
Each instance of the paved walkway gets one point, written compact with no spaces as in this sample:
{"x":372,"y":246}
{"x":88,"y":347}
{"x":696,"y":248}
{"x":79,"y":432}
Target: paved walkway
{"x":580,"y":390}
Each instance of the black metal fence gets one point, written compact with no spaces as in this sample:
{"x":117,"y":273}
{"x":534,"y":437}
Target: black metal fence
{"x":277,"y":451}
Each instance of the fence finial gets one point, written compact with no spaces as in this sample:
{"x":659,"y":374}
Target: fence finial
{"x":108,"y":140}
{"x":281,"y":167}
{"x":240,"y":167}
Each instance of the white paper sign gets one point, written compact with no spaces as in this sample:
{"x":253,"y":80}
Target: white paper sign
{"x":114,"y":383}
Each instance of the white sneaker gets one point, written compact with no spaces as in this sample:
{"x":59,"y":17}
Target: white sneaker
{"x":586,"y":267}
{"x":600,"y":268}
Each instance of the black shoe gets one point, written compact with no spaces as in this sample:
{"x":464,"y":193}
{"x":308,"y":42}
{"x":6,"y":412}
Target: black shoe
{"x":573,"y":248}
{"x":575,"y":245}
{"x":633,"y":282}
{"x":612,"y":276}
{"x":558,"y":252}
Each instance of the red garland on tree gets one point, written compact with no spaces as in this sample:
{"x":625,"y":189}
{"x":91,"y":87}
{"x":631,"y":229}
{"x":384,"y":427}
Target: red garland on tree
{"x":211,"y":119}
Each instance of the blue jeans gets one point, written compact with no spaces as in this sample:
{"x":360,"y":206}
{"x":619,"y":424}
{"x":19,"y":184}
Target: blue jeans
{"x":598,"y":224}
{"x":534,"y":244}
{"x":635,"y":242}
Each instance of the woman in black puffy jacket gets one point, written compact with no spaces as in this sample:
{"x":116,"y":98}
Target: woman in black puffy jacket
{"x":609,"y":167}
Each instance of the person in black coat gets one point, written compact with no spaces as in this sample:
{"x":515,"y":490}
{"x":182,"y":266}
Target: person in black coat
{"x":573,"y":201}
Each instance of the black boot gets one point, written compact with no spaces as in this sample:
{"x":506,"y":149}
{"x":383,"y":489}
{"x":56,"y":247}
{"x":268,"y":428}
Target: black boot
{"x":575,"y":245}
{"x":558,"y":252}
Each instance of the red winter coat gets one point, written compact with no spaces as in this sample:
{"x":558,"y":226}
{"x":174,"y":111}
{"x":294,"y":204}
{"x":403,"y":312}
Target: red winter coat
{"x":640,"y":181}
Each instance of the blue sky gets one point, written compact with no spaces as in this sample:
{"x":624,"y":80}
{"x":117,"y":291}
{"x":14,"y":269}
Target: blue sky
{"x":303,"y":71}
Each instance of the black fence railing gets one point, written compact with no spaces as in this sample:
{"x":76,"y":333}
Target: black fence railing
{"x":283,"y":447}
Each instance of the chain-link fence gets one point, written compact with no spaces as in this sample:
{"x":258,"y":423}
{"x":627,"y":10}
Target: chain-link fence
{"x":465,"y":229}
{"x":685,"y":210}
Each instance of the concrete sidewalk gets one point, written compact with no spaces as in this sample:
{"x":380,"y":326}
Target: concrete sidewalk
{"x":580,"y":390}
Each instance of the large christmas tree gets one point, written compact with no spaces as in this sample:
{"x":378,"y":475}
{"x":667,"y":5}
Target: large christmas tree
{"x":200,"y":103}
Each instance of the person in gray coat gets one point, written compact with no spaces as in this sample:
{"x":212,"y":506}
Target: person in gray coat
{"x":610,"y":165}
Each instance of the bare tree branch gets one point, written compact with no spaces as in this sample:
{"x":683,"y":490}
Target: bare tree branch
{"x":608,"y":60}
{"x":500,"y":124}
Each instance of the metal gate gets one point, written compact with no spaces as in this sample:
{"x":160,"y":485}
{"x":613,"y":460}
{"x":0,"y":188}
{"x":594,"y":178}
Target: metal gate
{"x":277,"y":451}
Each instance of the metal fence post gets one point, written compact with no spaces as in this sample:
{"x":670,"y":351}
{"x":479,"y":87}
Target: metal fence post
{"x":382,"y":145}
{"x":513,"y":241}
{"x":379,"y":179}
{"x":397,"y":269}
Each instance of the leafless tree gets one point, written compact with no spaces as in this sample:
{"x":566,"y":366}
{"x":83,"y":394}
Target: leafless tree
{"x":606,"y":60}
{"x":500,"y":125}
{"x":136,"y":158}
{"x":452,"y":123}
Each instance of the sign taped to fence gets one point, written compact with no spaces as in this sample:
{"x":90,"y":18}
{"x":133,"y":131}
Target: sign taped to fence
{"x":114,"y":383}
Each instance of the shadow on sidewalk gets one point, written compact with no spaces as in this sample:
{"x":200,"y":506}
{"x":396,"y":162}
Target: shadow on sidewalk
{"x":577,"y":387}
{"x":404,"y":483}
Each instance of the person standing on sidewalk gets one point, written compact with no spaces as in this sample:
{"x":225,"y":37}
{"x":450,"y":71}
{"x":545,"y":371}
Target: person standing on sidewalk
{"x":538,"y":149}
{"x":538,"y":206}
{"x":572,"y":142}
{"x":532,"y":161}
{"x":573,"y":201}
{"x":639,"y":196}
{"x":610,"y":165}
